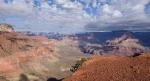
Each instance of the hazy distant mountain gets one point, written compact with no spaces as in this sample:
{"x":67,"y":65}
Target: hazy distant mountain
{"x":124,"y":42}
{"x":113,"y":42}
{"x":125,"y":45}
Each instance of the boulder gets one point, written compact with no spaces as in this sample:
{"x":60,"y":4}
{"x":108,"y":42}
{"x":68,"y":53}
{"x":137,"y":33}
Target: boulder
{"x":6,"y":28}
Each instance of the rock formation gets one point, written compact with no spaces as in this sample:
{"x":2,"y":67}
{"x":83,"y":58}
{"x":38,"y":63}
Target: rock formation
{"x":113,"y":68}
{"x":35,"y":57}
{"x":125,"y":44}
{"x":6,"y":28}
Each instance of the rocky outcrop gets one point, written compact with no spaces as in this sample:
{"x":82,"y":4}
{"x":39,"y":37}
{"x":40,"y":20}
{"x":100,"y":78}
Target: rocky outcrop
{"x":6,"y":28}
{"x":37,"y":58}
{"x":25,"y":54}
{"x":125,"y":44}
{"x":113,"y":68}
{"x":12,"y":42}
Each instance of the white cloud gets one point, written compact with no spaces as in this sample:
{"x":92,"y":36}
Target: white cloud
{"x":72,"y":17}
{"x":117,"y":13}
{"x":107,"y":9}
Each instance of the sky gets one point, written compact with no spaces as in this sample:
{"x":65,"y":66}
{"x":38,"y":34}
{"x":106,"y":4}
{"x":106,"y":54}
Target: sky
{"x":69,"y":16}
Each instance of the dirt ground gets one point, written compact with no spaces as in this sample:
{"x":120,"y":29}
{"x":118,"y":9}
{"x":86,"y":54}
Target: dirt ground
{"x":113,"y":68}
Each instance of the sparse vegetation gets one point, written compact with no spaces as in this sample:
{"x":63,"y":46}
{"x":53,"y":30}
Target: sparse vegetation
{"x":78,"y":64}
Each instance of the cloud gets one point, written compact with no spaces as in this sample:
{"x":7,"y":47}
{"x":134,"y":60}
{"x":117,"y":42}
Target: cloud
{"x":121,"y":15}
{"x":49,"y":18}
{"x":107,"y":11}
{"x":74,"y":15}
{"x":132,"y":25}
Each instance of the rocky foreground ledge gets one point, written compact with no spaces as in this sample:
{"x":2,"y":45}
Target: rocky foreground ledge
{"x":114,"y":68}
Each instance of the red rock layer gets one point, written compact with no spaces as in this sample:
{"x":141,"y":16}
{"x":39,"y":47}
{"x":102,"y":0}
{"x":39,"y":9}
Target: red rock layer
{"x":113,"y":68}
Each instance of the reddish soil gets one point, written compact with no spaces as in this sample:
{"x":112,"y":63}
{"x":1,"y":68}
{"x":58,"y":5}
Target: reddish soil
{"x":113,"y":68}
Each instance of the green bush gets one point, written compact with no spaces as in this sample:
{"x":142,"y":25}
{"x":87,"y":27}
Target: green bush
{"x":78,"y":64}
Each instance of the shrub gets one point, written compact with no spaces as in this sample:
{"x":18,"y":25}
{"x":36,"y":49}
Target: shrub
{"x":78,"y":64}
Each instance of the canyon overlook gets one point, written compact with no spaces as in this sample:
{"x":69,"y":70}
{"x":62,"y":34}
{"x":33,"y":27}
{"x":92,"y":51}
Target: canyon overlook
{"x":74,"y":40}
{"x":26,"y":56}
{"x":36,"y":57}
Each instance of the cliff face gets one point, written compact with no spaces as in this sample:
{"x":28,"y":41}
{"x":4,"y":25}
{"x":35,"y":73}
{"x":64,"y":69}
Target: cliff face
{"x":35,"y":57}
{"x":113,"y":68}
{"x":126,"y":45}
{"x":6,"y":28}
{"x":24,"y":54}
{"x":11,"y":43}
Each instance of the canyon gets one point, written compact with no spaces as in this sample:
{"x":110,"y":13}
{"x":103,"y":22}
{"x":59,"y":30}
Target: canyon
{"x":27,"y":56}
{"x":36,"y":57}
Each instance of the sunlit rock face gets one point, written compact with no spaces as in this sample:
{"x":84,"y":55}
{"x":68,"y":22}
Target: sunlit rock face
{"x":116,"y":42}
{"x":36,"y":57}
{"x":22,"y":54}
{"x":126,"y":44}
{"x":6,"y":28}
